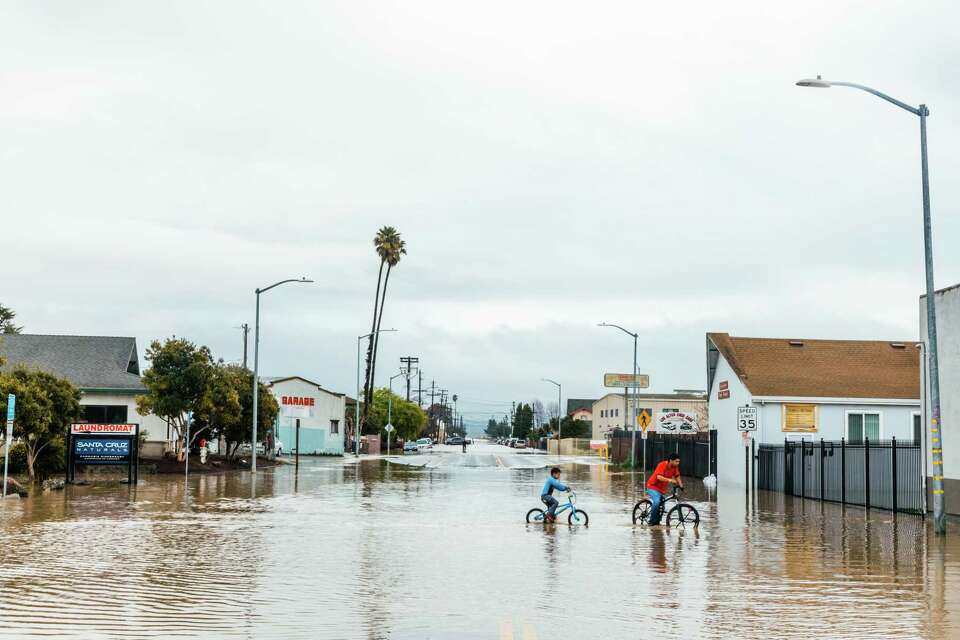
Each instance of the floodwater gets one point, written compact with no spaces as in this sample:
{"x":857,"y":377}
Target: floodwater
{"x":435,"y":546}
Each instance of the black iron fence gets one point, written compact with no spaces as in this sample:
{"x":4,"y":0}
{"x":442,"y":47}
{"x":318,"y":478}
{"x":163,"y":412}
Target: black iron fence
{"x":697,"y":456}
{"x":884,"y":475}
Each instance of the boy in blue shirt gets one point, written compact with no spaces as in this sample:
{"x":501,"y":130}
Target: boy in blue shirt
{"x":546,"y":494}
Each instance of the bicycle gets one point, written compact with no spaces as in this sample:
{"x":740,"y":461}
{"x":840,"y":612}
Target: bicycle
{"x":577,"y":516}
{"x":683,"y":513}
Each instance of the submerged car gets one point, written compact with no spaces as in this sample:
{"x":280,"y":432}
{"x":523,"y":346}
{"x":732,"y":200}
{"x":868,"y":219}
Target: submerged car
{"x":424,"y":444}
{"x":410,"y":447}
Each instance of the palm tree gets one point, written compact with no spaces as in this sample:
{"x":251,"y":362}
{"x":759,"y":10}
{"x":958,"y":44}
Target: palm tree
{"x":395,"y":248}
{"x":388,"y":246}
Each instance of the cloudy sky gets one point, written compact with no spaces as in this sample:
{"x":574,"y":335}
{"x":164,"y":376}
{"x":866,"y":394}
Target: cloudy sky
{"x":550,"y":165}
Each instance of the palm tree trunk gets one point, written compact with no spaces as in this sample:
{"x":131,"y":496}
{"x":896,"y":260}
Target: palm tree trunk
{"x":376,"y":335}
{"x":367,"y":391}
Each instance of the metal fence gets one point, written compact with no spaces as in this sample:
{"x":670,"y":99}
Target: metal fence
{"x":697,"y":456}
{"x":884,"y":475}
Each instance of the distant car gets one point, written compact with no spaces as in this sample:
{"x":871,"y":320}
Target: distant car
{"x":410,"y":447}
{"x":512,"y":442}
{"x":520,"y":444}
{"x":424,"y":444}
{"x":455,"y":440}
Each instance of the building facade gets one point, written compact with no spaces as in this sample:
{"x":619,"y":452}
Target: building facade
{"x":106,"y":369}
{"x":948,"y":340}
{"x":809,"y":389}
{"x":613,"y":411}
{"x":321,"y":414}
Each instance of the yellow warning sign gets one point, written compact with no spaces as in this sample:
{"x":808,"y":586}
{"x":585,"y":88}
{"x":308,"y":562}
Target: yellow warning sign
{"x":644,"y":419}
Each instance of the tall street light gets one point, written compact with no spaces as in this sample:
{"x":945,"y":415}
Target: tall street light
{"x":256,"y":366}
{"x":390,"y":406}
{"x":636,"y":398}
{"x":936,"y":430}
{"x":559,"y":409}
{"x":356,"y":420}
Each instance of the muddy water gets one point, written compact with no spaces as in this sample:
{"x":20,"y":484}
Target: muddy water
{"x":440,"y":550}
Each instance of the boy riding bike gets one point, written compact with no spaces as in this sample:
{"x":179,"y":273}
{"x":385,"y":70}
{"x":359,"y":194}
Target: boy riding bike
{"x":546,"y":494}
{"x":666,"y":474}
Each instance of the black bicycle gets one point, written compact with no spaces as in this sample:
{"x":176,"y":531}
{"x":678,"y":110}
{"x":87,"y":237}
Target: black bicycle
{"x":681,"y":515}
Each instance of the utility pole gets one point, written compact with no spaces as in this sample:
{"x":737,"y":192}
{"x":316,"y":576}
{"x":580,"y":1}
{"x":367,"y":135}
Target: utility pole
{"x":409,"y":361}
{"x":420,"y":387}
{"x":430,"y":410}
{"x":246,"y":332}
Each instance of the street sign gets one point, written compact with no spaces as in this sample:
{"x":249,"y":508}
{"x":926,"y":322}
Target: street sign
{"x":11,"y":403}
{"x":643,"y":434}
{"x":677,"y":422}
{"x":746,"y":438}
{"x":626,"y":380}
{"x":747,"y":418}
{"x":644,"y":420}
{"x":388,"y":428}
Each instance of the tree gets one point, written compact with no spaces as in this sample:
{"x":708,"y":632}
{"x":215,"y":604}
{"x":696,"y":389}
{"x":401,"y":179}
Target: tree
{"x":523,"y":421}
{"x":497,"y":429}
{"x":6,"y":320}
{"x":178,"y":382}
{"x":390,"y":247}
{"x":229,"y":406}
{"x":407,"y":417}
{"x":46,"y":405}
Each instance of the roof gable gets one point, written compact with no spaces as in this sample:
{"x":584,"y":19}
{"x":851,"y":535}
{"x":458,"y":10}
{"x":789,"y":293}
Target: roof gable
{"x":820,"y":368}
{"x":274,"y":380}
{"x":89,"y":362}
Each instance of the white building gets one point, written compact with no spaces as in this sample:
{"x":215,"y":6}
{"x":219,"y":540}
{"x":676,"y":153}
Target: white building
{"x":612,"y":410}
{"x":106,"y":369}
{"x":813,"y":389}
{"x":948,"y":350}
{"x":320,"y":412}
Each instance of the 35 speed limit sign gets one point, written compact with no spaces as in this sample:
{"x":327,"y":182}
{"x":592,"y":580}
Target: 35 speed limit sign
{"x":747,"y":418}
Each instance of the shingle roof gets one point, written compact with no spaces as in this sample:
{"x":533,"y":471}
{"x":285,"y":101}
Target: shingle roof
{"x":89,"y":362}
{"x":823,"y":368}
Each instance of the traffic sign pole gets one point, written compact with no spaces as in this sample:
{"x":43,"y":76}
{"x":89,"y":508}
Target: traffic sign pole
{"x":11,"y":409}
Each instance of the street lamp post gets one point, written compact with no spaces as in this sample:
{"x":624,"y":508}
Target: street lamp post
{"x":356,"y":420}
{"x":390,"y":407}
{"x":636,"y":398}
{"x":256,"y":367}
{"x":936,"y":428}
{"x":559,"y":409}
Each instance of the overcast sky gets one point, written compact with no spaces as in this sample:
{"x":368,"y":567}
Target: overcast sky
{"x":550,"y":165}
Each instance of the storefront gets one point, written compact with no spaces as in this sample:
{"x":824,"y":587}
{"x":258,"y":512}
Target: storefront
{"x":320,"y":414}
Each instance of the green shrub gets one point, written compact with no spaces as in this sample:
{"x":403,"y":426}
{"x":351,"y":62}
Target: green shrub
{"x":51,"y":461}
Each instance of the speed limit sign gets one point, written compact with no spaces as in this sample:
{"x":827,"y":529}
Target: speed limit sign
{"x":747,"y":418}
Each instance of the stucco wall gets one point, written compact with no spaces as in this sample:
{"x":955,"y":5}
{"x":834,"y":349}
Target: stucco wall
{"x":154,"y":427}
{"x":615,"y":402}
{"x":723,"y":418}
{"x":315,"y":433}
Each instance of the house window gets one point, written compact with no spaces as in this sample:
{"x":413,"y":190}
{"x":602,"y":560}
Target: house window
{"x":917,"y":428}
{"x":103,"y":414}
{"x":799,"y":418}
{"x":616,"y":412}
{"x":334,"y":426}
{"x":863,"y":425}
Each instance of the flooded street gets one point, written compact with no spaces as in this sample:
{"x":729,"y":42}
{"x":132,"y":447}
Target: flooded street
{"x":435,"y":546}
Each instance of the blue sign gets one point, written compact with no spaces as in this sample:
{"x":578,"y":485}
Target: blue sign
{"x":101,"y":450}
{"x":11,"y":404}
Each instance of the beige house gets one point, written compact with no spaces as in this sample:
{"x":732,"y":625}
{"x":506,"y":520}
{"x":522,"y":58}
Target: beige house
{"x":613,"y":412}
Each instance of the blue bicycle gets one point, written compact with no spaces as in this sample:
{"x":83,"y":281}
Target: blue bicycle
{"x":577,"y":516}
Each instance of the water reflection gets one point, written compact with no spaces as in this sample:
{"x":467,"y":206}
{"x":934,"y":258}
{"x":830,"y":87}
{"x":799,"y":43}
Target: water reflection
{"x":376,"y":550}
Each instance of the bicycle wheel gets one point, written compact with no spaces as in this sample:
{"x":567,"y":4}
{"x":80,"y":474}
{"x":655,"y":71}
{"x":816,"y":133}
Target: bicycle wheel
{"x":578,"y":517}
{"x":682,"y":515}
{"x":535,"y":516}
{"x":641,"y":512}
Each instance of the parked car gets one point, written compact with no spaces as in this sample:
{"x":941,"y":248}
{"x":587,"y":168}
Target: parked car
{"x":410,"y":446}
{"x":520,"y":444}
{"x":454,"y":440}
{"x":424,"y":443}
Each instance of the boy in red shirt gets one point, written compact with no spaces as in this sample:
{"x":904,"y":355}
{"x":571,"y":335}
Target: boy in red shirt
{"x":666,"y":474}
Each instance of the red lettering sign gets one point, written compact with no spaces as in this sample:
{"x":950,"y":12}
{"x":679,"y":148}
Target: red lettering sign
{"x":724,"y":385}
{"x":298,"y":401}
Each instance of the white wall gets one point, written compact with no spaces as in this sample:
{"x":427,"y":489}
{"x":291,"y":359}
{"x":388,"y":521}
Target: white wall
{"x":315,"y":431}
{"x":154,"y":427}
{"x":723,"y":418}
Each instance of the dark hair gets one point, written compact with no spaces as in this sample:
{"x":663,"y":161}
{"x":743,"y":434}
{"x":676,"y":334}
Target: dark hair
{"x":673,"y":456}
{"x":554,"y":470}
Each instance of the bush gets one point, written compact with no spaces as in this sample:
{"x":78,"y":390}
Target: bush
{"x":51,"y":461}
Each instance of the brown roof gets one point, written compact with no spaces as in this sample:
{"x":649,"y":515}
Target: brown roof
{"x":823,"y":368}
